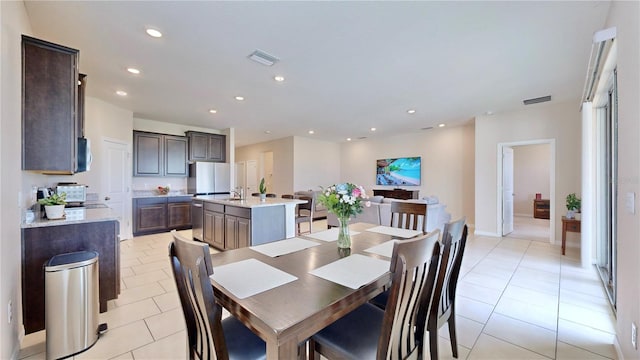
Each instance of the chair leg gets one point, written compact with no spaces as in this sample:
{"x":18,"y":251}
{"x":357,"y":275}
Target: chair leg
{"x":452,"y":334}
{"x":313,"y":355}
{"x":433,"y":344}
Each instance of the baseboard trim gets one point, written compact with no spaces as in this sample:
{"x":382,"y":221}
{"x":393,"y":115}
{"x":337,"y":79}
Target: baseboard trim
{"x":616,"y":345}
{"x":486,"y":233}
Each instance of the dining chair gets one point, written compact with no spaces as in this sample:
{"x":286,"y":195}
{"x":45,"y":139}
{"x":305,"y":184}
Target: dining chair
{"x":270,"y":195}
{"x":208,"y":337}
{"x":397,"y":332}
{"x":255,"y":194}
{"x":408,"y":215}
{"x":443,"y":310}
{"x":288,"y":196}
{"x":304,"y":212}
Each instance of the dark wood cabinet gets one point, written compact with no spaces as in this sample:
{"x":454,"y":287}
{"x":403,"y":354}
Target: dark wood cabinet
{"x":159,"y":154}
{"x":397,"y":193}
{"x":159,"y":214}
{"x":206,"y":147}
{"x":49,"y":107}
{"x":39,"y":244}
{"x":179,"y":212}
{"x":237,"y":224}
{"x":541,"y":209}
{"x":175,"y":156}
{"x":214,"y":227}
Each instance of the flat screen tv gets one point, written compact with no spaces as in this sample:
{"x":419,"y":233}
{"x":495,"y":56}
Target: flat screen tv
{"x":398,"y":171}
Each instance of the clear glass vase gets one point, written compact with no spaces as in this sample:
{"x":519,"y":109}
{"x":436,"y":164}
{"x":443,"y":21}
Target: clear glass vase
{"x":344,"y":238}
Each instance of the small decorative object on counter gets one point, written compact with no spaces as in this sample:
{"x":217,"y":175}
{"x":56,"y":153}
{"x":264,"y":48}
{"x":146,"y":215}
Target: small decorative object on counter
{"x":573,"y":205}
{"x":343,"y":200}
{"x":262,"y":188}
{"x":54,"y":205}
{"x":163,"y":190}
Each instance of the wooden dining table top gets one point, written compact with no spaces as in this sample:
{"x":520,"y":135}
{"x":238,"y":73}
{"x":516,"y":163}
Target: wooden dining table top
{"x":289,"y":314}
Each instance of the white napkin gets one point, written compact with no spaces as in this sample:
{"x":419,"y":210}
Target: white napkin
{"x":329,"y":235}
{"x":249,"y":277}
{"x":353,"y":271}
{"x":282,"y":247}
{"x":393,"y":231}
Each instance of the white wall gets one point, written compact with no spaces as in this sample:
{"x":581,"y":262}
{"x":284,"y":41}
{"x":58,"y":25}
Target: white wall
{"x":316,"y":163}
{"x":447,"y":164}
{"x":561,"y":122}
{"x":14,"y":22}
{"x":626,"y":17}
{"x":530,"y":176}
{"x":283,"y":150}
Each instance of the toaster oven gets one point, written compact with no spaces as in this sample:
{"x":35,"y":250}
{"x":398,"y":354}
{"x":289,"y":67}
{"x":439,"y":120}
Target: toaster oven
{"x":76,"y":193}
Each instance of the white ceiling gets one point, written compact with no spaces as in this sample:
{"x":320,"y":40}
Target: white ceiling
{"x":349,"y":66}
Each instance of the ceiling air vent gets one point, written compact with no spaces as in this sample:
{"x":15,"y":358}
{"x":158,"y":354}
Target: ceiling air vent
{"x":537,"y":100}
{"x":263,"y":58}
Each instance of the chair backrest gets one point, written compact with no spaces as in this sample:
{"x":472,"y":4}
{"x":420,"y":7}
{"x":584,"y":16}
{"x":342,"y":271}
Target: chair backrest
{"x":288,"y":196}
{"x":271,"y":195}
{"x":414,"y":265}
{"x":409,"y":215}
{"x":454,"y":236}
{"x":308,"y":206}
{"x":184,"y":255}
{"x":255,"y":194}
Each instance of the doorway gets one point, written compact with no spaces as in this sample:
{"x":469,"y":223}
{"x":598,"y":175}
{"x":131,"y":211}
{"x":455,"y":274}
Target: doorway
{"x":532,"y":171}
{"x":116,"y":184}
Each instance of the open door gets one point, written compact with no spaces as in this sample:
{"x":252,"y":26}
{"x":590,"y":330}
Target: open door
{"x":507,"y":190}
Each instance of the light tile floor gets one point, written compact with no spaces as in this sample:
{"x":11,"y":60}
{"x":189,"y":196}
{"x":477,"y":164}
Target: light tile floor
{"x":517,"y":299}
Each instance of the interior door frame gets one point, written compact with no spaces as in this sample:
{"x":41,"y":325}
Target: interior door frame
{"x":552,"y":182}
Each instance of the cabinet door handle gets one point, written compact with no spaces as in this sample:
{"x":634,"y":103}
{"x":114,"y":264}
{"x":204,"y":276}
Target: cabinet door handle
{"x":106,"y":198}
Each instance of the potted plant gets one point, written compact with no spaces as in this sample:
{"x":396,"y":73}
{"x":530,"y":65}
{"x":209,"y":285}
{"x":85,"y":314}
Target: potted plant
{"x":262,"y":188}
{"x":573,"y":205}
{"x":54,"y":205}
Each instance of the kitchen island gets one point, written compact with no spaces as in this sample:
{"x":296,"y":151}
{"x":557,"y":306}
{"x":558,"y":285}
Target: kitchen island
{"x":81,"y":230}
{"x":232,"y":223}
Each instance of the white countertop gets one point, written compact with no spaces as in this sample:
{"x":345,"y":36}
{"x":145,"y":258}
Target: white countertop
{"x":75,"y":216}
{"x":250,"y":202}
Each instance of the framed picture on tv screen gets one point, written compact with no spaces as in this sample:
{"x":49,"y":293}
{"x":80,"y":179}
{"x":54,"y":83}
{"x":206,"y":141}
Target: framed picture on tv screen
{"x":398,"y":171}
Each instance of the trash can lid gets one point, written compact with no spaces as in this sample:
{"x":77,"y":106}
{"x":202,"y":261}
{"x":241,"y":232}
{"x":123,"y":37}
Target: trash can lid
{"x":71,"y":260}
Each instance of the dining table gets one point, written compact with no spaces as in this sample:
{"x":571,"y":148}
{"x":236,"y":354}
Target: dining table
{"x":303,"y":302}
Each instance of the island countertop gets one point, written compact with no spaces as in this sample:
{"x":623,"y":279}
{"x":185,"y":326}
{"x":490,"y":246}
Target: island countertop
{"x":75,"y":216}
{"x":250,"y":202}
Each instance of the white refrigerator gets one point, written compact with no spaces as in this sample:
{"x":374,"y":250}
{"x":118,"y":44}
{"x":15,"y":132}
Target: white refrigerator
{"x":209,"y":178}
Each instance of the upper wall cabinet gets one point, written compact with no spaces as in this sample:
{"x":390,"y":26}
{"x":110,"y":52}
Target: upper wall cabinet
{"x":207,"y":147}
{"x":159,"y":154}
{"x":49,"y":107}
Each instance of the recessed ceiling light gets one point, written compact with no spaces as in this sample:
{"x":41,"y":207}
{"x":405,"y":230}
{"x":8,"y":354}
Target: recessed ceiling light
{"x":154,"y":33}
{"x":311,"y":132}
{"x":121,"y":93}
{"x":267,"y":131}
{"x":278,"y":78}
{"x":411,"y":111}
{"x":489,"y":112}
{"x":373,"y":129}
{"x":239,"y":98}
{"x":348,"y":139}
{"x":213,"y":111}
{"x":440,"y":125}
{"x":133,"y":71}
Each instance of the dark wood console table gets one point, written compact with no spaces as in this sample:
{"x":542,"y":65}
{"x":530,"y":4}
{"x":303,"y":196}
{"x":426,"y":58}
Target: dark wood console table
{"x":572,"y":225}
{"x":397,"y":193}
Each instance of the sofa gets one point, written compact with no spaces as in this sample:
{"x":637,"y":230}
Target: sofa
{"x":319,"y":211}
{"x":379,"y":213}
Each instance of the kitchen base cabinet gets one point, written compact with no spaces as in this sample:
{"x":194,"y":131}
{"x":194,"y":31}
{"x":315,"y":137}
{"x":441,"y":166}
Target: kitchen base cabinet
{"x":39,"y":244}
{"x":159,"y":214}
{"x":238,"y":232}
{"x":213,"y":232}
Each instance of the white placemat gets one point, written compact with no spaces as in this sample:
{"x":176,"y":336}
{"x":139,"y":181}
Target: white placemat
{"x":393,"y":231}
{"x":283,"y":247}
{"x":329,"y":235}
{"x":384,"y":249}
{"x":249,"y":277}
{"x":354,"y":271}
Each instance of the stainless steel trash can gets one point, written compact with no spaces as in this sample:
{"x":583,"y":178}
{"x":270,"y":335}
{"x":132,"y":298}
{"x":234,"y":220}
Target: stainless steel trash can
{"x":71,"y":303}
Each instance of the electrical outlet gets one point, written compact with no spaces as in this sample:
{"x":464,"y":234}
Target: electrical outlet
{"x":9,"y":312}
{"x":634,"y":335}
